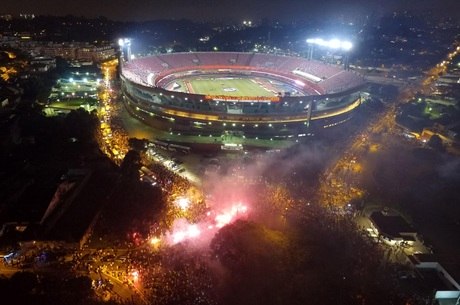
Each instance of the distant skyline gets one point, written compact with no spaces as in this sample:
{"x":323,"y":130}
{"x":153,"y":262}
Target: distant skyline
{"x":215,"y":10}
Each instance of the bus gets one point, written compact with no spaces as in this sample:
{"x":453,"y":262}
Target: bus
{"x":180,"y":148}
{"x":232,"y":147}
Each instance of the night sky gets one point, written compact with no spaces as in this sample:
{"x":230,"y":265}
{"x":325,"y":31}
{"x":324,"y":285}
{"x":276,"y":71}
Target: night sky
{"x":223,"y":10}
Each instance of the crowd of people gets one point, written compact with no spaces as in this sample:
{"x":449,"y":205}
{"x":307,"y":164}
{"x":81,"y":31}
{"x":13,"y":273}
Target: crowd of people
{"x":174,"y":276}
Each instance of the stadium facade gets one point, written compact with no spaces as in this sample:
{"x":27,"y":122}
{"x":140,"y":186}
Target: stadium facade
{"x":316,"y":96}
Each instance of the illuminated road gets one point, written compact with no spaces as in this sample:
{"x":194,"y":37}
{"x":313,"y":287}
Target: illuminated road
{"x":339,"y":182}
{"x":336,"y":186}
{"x":8,"y":271}
{"x":112,"y":138}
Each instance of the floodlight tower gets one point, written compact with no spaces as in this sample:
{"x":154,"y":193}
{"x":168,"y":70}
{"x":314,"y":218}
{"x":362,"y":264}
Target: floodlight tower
{"x":334,"y":44}
{"x":346,"y":47}
{"x":311,"y":46}
{"x":125,"y":44}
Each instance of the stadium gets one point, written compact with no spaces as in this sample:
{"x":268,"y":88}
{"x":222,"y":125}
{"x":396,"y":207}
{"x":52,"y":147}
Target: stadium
{"x":244,"y":95}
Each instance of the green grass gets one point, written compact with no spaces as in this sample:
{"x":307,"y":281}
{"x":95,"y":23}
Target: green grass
{"x":432,"y":111}
{"x":243,"y":86}
{"x":72,"y":103}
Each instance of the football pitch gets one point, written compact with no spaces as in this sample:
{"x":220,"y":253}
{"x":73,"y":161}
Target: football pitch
{"x":227,"y":86}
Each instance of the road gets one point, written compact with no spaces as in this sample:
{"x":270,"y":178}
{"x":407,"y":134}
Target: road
{"x":339,"y":182}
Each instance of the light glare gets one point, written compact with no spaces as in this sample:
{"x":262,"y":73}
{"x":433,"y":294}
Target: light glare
{"x":333,"y":43}
{"x":183,"y":203}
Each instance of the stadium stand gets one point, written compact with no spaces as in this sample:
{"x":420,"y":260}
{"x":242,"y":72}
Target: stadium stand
{"x":176,"y":60}
{"x":218,"y":58}
{"x":323,"y":78}
{"x":341,"y":81}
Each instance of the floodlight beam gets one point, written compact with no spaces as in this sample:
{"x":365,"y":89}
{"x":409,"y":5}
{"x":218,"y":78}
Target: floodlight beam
{"x":334,"y":43}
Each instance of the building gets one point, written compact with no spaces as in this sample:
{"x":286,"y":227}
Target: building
{"x":440,"y":275}
{"x":79,"y":51}
{"x":309,"y":96}
{"x":393,"y":227}
{"x":72,"y":51}
{"x":42,"y":64}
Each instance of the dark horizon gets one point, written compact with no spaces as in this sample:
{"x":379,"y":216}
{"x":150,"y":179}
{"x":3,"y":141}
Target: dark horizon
{"x":234,"y":11}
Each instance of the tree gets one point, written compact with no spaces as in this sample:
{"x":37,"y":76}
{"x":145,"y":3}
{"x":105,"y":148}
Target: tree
{"x":131,"y":165}
{"x":137,"y":144}
{"x":81,"y":125}
{"x":80,"y":287}
{"x":435,"y":142}
{"x":257,"y":259}
{"x":23,"y":283}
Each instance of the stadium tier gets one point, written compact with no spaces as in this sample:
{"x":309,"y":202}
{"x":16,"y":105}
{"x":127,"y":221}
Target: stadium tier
{"x":249,"y":95}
